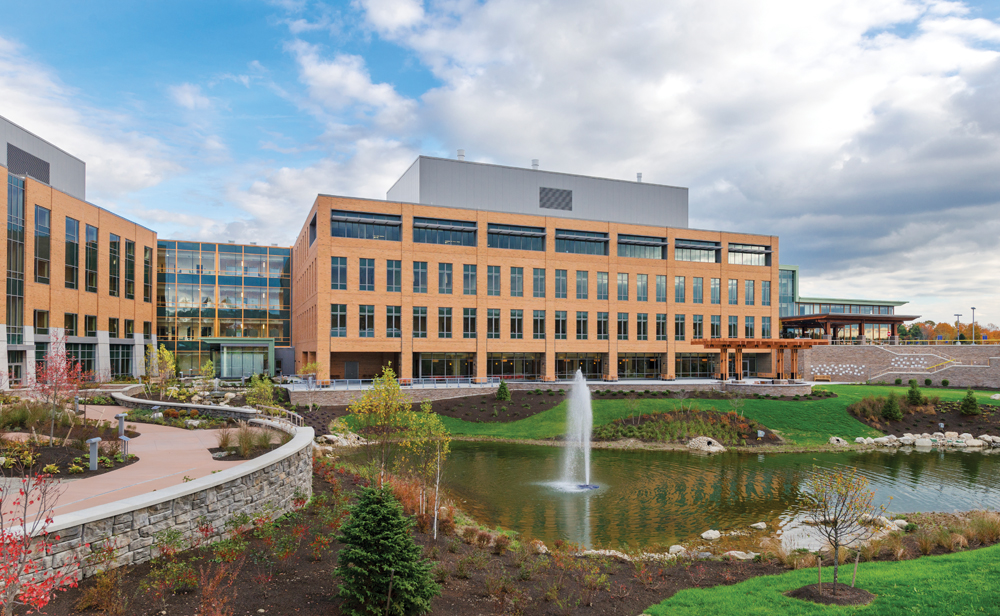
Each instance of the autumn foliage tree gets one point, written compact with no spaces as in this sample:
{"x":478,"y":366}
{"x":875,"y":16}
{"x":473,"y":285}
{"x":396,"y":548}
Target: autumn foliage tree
{"x":382,"y":415}
{"x":161,"y":366}
{"x":59,"y":377}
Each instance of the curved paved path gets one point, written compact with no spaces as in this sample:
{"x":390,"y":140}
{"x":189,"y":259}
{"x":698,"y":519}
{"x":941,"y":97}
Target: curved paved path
{"x":166,"y":456}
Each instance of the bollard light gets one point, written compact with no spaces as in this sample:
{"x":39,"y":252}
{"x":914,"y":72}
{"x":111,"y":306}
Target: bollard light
{"x":124,"y":440}
{"x":93,"y":452}
{"x":121,"y":424}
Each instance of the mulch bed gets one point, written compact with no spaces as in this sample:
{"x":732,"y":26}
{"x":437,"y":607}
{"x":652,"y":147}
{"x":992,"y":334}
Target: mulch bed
{"x":63,"y":456}
{"x":632,"y":427}
{"x":948,"y":413}
{"x":845,"y":594}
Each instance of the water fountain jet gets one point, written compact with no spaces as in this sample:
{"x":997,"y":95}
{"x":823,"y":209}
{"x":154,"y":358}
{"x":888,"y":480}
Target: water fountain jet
{"x":579,"y":422}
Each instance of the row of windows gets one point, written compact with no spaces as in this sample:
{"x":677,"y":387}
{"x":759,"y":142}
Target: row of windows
{"x":445,"y":283}
{"x":229,"y":264}
{"x":43,"y":269}
{"x":394,"y":316}
{"x":71,"y":325}
{"x":362,"y":225}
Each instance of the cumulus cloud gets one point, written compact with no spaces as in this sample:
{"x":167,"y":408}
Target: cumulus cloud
{"x":189,"y":96}
{"x":391,"y":16}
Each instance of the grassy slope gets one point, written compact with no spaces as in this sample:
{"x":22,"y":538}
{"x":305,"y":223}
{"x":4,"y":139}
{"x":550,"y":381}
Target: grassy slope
{"x":959,"y":584}
{"x":810,"y":422}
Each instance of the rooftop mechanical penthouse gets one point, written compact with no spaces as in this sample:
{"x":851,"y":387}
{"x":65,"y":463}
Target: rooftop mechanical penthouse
{"x":474,"y":270}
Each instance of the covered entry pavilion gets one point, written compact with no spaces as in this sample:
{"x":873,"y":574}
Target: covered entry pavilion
{"x":777,"y":347}
{"x":831,"y":323}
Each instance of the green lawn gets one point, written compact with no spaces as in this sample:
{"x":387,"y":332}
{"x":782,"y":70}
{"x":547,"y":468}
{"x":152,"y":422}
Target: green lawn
{"x":953,"y":584}
{"x":805,"y":423}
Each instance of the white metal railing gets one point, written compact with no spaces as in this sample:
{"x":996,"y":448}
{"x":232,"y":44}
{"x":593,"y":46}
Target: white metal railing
{"x":280,"y":414}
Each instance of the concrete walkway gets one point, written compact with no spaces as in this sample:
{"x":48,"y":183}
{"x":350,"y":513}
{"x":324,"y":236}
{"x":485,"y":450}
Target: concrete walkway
{"x":166,"y":456}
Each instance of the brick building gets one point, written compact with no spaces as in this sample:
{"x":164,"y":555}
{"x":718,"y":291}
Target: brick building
{"x":72,"y":268}
{"x":474,"y":270}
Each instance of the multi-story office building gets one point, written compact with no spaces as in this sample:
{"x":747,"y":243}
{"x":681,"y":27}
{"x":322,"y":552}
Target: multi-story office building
{"x":227,"y":302}
{"x":478,"y":270}
{"x":72,"y":268}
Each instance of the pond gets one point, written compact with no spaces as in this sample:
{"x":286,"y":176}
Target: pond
{"x":649,"y":498}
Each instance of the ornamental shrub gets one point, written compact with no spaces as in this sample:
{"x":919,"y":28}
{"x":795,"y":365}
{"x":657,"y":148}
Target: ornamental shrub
{"x":899,"y":381}
{"x":378,"y":547}
{"x":944,"y":382}
{"x":927,"y":382}
{"x":970,"y":406}
{"x":503,"y":392}
{"x":891,"y":410}
{"x":913,"y":396}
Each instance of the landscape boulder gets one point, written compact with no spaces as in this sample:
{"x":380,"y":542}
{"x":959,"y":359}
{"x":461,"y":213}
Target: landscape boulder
{"x":677,"y":549}
{"x":704,"y":443}
{"x":348,"y":439}
{"x":738,"y":555}
{"x":711,"y":535}
{"x":900,"y":524}
{"x":759,"y":526}
{"x":839,"y":442}
{"x":923,"y":442}
{"x":907,"y":440}
{"x":974,"y":442}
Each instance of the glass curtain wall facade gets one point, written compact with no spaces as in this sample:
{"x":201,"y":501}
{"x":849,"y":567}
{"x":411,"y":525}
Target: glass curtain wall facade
{"x":207,"y":291}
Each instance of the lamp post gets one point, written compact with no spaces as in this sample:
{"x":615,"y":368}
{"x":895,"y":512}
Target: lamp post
{"x":973,"y":325}
{"x":958,"y":329}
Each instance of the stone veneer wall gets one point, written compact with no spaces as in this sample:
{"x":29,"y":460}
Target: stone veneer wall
{"x":971,"y":365}
{"x":272,"y":480}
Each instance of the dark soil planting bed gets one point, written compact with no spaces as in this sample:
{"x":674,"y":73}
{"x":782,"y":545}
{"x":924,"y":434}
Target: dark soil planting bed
{"x":678,"y":426}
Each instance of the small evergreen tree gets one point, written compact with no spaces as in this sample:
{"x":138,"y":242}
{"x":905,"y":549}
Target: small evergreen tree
{"x":503,"y":392}
{"x":891,"y":410}
{"x":970,"y":406}
{"x":378,"y":547}
{"x":913,"y":396}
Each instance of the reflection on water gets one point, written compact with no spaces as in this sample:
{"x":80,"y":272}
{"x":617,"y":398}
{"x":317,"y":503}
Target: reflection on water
{"x":661,"y":497}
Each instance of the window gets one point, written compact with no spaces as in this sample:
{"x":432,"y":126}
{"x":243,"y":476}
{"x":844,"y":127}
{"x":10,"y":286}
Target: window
{"x":697,"y":327}
{"x":129,"y":269}
{"x":444,"y":322}
{"x":420,"y":276}
{"x":515,"y":237}
{"x":716,"y":325}
{"x":90,"y":326}
{"x":538,"y":282}
{"x":366,"y":321}
{"x":765,"y":327}
{"x":560,"y":324}
{"x":581,"y":325}
{"x":517,"y":282}
{"x":493,"y":280}
{"x":697,"y":295}
{"x":661,"y":288}
{"x":419,"y":321}
{"x":72,"y":253}
{"x":338,"y":320}
{"x":623,"y":326}
{"x":364,"y":226}
{"x":468,"y":279}
{"x":678,"y":327}
{"x":748,"y":294}
{"x":112,"y":327}
{"x":581,"y":242}
{"x":538,"y":325}
{"x":641,"y":327}
{"x":641,"y":287}
{"x":623,"y":287}
{"x":493,"y":323}
{"x":581,"y":284}
{"x":468,"y":322}
{"x":749,"y":254}
{"x":561,"y":284}
{"x":602,"y":325}
{"x":679,"y":293}
{"x":393,"y":276}
{"x":147,"y":274}
{"x":716,"y":291}
{"x":114,"y":265}
{"x":366,"y":274}
{"x":15,"y":263}
{"x":41,"y":322}
{"x":661,"y":327}
{"x":734,"y":292}
{"x":602,"y":285}
{"x":733,"y":327}
{"x":441,"y":231}
{"x":129,"y":328}
{"x":642,"y":247}
{"x":748,"y":327}
{"x":43,"y":245}
{"x":338,"y":273}
{"x":517,"y":324}
{"x":90,"y":260}
{"x":312,"y":230}
{"x":69,"y":323}
{"x":697,"y":251}
{"x":147,"y":329}
{"x":393,"y":321}
{"x":765,"y":293}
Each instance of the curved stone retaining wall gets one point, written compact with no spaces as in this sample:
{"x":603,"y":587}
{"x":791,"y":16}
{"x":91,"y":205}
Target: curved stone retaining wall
{"x":226,"y":412}
{"x":269,"y":482}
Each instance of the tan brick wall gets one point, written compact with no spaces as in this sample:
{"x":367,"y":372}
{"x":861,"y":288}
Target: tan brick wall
{"x":311,"y":320}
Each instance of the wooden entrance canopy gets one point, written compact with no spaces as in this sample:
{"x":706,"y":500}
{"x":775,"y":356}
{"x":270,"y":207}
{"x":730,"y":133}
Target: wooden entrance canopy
{"x":777,"y":347}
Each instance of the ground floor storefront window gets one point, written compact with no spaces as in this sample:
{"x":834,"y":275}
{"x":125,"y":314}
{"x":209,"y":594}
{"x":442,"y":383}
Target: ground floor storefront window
{"x":439,"y":365}
{"x":591,"y":364}
{"x":636,"y":366}
{"x":121,"y":360}
{"x":696,"y":365}
{"x":514,"y":366}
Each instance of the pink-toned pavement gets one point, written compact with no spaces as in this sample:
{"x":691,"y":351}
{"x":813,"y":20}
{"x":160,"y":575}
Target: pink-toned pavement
{"x":166,"y":456}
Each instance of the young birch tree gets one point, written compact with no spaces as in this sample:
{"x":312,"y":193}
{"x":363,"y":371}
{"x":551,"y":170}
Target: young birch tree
{"x":843,"y":507}
{"x":161,"y":365}
{"x":425,"y":447}
{"x":382,"y":416}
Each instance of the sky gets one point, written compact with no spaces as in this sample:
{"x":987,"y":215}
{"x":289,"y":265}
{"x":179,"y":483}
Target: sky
{"x":864,"y":133}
